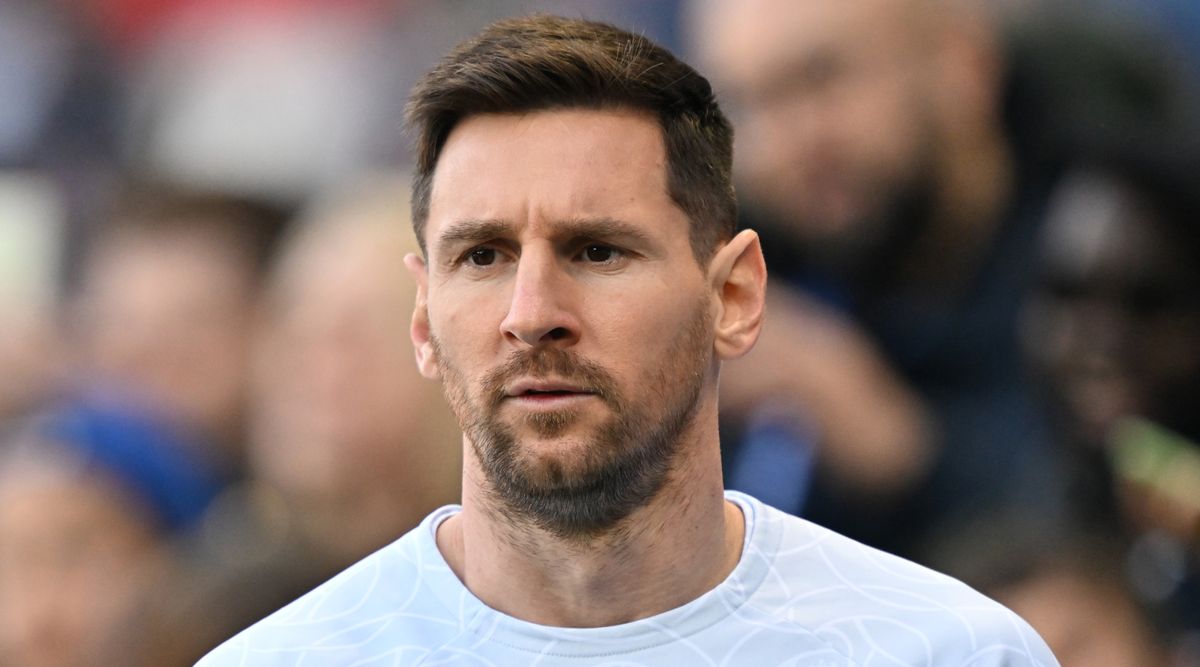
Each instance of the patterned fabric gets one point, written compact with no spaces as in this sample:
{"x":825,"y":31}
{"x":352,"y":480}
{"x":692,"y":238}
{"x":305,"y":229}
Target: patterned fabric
{"x":801,"y":595}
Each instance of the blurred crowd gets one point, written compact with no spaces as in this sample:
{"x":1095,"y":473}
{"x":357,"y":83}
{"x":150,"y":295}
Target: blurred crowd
{"x":982,"y":226}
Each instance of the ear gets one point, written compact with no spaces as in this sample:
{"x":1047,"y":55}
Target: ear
{"x":422,"y":339}
{"x":738,"y":277}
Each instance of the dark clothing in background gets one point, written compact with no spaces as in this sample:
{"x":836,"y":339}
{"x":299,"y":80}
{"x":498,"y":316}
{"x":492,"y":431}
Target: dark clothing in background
{"x":961,"y":354}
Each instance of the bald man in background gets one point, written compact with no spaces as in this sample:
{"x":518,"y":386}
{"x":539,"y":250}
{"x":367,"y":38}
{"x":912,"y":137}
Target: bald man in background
{"x":899,"y":205}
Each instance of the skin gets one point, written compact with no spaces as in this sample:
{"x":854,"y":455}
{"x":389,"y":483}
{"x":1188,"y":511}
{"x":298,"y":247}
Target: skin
{"x":817,"y":362}
{"x":1113,"y":328}
{"x":847,"y":113}
{"x":30,"y":357}
{"x":174,"y":315}
{"x":844,"y":109}
{"x":586,"y":254}
{"x":330,"y":375}
{"x":75,"y":558}
{"x":1112,"y":325}
{"x":820,"y":104}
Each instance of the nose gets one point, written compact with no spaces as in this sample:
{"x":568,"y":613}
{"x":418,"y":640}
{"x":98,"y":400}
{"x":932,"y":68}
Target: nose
{"x":540,"y":311}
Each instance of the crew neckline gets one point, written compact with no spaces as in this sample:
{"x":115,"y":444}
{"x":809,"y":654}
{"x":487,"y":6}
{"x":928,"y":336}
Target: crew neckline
{"x":758,"y":548}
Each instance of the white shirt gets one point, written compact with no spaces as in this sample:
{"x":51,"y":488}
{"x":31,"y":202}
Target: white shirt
{"x":799,"y":595}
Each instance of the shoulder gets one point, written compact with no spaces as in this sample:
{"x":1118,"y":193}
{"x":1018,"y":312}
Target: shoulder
{"x":861,"y":600}
{"x":386,"y":600}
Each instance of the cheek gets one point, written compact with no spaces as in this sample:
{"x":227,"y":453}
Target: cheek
{"x":650,"y":338}
{"x":1058,"y":336}
{"x":882,"y":127}
{"x":468,"y":333}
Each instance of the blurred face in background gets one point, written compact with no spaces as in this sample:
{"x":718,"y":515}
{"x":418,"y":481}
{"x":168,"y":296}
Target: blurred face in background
{"x":171,"y":313}
{"x":835,"y":105}
{"x":341,"y":413}
{"x":76,"y":556}
{"x":1115,"y":323}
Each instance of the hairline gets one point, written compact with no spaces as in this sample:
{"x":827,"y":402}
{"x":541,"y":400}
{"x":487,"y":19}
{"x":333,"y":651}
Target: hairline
{"x":420,"y":219}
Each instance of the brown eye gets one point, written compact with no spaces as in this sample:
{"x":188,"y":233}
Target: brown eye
{"x":599,"y":254}
{"x":482,"y":256}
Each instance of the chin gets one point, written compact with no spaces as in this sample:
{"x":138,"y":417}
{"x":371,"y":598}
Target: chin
{"x":559,"y":463}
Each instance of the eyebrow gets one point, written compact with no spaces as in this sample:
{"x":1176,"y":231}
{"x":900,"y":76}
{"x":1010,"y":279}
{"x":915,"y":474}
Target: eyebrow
{"x":480,"y":230}
{"x":473,"y":231}
{"x":600,"y":228}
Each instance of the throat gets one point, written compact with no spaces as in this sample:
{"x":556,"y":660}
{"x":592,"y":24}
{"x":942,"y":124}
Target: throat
{"x":653,"y":562}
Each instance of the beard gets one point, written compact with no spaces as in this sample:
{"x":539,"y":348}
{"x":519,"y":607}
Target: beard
{"x":625,"y":460}
{"x":870,"y":253}
{"x":867,"y":249}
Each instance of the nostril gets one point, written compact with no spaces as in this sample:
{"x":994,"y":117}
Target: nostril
{"x":558,"y":333}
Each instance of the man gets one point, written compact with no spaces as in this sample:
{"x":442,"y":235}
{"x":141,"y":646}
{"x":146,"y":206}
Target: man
{"x":340,"y":426}
{"x":582,"y":283}
{"x":91,"y":495}
{"x":167,"y":308}
{"x":894,"y":189}
{"x":1113,"y":331}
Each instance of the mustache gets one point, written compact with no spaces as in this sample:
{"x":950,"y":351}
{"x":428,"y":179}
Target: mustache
{"x":547,"y":362}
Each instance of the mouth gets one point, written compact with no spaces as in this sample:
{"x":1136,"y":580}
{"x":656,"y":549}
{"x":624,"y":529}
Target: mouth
{"x":545,"y":391}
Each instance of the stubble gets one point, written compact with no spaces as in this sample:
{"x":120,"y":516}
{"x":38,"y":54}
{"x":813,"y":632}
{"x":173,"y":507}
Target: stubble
{"x":625,"y":460}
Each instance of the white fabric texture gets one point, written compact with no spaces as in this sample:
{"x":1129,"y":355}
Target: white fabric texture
{"x":801,"y":595}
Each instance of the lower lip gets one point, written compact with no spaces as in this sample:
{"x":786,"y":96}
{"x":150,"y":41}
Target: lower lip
{"x":548,"y":400}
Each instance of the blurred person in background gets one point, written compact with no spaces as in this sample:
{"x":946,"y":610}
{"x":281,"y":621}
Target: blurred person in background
{"x":896,"y":151}
{"x":344,"y":449}
{"x":873,"y":143}
{"x":167,"y":308}
{"x":1113,"y":329}
{"x":1070,"y":583}
{"x":344,"y":426}
{"x":584,"y":281}
{"x":90,"y":497}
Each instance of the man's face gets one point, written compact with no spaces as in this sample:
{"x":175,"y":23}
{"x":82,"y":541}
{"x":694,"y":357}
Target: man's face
{"x":832,"y":104}
{"x":330,"y":373}
{"x":172,"y":314}
{"x":1114,"y":324}
{"x":567,"y":315}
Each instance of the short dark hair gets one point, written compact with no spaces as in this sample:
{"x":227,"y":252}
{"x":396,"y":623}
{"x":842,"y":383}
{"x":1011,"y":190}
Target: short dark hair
{"x":547,"y":62}
{"x":151,"y":209}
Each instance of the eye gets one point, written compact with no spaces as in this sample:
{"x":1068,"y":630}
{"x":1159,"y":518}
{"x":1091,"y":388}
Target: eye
{"x":482,"y":257}
{"x":600,"y":254}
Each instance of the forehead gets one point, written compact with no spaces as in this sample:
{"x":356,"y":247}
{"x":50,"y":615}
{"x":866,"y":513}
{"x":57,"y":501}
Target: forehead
{"x":557,"y":165}
{"x":755,"y":41}
{"x":170,"y":258}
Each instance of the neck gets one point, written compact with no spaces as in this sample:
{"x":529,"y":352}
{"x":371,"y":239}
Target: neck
{"x":668,"y":552}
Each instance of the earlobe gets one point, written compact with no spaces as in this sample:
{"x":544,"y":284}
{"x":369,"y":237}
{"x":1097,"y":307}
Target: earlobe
{"x":422,"y":338}
{"x":739,"y":280}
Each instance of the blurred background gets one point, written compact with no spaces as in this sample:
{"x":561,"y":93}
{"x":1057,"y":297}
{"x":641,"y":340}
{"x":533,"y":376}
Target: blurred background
{"x":982,"y":222}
